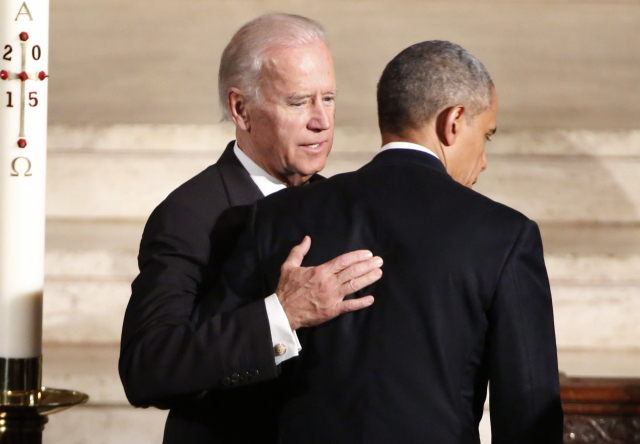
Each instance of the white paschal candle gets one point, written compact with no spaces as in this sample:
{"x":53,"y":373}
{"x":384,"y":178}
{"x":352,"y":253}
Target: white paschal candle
{"x":24,"y":49}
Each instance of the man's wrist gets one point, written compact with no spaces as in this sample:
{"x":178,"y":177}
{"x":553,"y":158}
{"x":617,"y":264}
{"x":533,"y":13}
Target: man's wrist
{"x":285,"y":341}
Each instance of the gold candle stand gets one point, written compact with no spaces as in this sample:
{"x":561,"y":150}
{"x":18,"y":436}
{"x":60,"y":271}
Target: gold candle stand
{"x":25,"y":404}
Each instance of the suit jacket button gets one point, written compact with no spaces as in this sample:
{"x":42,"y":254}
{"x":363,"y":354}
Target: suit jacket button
{"x":254,"y":372}
{"x":226,"y":380}
{"x":244,"y":376}
{"x":280,"y":349}
{"x":235,"y":378}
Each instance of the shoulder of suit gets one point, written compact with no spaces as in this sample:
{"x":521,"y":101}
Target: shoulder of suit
{"x":203,"y":196}
{"x":498,"y":215}
{"x":198,"y":187}
{"x":483,"y":210}
{"x":292,"y":198}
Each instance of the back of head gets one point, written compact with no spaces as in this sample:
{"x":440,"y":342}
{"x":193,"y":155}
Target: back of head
{"x":426,"y":78}
{"x":242,"y":59}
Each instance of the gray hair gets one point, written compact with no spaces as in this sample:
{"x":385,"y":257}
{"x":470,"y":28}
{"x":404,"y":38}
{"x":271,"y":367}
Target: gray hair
{"x":426,"y":78}
{"x":243,"y":58}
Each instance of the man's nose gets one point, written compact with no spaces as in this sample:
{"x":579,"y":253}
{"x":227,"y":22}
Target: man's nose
{"x":484,"y":161}
{"x":321,"y":117}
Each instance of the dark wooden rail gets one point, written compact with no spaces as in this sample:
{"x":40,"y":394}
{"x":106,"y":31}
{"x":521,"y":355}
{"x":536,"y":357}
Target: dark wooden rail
{"x":601,"y":410}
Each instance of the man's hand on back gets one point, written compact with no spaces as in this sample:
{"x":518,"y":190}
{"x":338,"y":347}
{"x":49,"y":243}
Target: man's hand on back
{"x":313,"y":295}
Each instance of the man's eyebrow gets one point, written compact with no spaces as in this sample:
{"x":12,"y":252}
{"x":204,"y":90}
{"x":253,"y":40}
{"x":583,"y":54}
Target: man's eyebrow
{"x":296,"y":97}
{"x":493,"y":131}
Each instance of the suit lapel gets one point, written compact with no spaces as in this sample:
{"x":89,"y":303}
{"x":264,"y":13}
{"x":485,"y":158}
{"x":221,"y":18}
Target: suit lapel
{"x":240,"y":188}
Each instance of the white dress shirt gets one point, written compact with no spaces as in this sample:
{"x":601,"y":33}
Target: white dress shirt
{"x":408,"y":146}
{"x":281,"y":333}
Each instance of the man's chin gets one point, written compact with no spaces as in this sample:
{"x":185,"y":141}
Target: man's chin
{"x":303,"y":174}
{"x":307,"y":173}
{"x":311,"y":165}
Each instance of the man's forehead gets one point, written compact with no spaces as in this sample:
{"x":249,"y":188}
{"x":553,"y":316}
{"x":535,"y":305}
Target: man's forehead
{"x":294,"y":86}
{"x":299,"y":73}
{"x":298,"y":55}
{"x":299,"y":59}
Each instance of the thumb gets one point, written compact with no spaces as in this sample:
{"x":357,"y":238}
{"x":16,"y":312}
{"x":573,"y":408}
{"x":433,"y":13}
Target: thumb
{"x":298,"y":253}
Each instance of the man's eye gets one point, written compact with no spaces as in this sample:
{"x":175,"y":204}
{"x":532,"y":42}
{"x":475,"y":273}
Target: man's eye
{"x":488,"y":138}
{"x":298,"y":104}
{"x":329,"y":99}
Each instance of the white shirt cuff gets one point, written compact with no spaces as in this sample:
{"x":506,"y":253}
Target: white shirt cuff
{"x":281,"y":333}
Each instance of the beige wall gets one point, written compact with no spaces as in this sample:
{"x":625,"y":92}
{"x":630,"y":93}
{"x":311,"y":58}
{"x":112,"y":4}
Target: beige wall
{"x":556,"y":64}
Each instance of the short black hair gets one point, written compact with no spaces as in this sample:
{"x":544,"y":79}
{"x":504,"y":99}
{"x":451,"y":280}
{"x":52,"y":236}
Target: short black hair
{"x":426,"y":78}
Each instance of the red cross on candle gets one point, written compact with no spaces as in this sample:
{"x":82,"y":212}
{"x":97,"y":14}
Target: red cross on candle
{"x":23,"y":76}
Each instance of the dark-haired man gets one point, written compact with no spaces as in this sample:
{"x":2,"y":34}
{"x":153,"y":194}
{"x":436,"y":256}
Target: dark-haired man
{"x":465,"y":297}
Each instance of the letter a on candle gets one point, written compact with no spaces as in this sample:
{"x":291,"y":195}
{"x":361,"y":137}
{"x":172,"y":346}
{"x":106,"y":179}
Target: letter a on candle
{"x":24,"y":10}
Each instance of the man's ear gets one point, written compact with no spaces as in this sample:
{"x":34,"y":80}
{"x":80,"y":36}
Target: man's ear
{"x":449,"y":123}
{"x":238,"y":107}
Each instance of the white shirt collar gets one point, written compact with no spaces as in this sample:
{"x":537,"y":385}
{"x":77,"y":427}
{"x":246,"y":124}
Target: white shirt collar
{"x":408,"y":146}
{"x":265,"y":182}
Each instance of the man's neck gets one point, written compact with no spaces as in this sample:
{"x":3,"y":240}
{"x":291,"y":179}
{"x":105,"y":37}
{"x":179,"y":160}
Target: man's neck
{"x":420,"y":137}
{"x":252,"y":168}
{"x":246,"y":146}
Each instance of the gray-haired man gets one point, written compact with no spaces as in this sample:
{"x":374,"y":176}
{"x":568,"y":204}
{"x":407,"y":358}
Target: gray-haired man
{"x":277,"y":85}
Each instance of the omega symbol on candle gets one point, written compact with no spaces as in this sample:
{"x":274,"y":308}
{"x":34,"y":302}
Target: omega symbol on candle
{"x":21,"y":165}
{"x":30,"y":98}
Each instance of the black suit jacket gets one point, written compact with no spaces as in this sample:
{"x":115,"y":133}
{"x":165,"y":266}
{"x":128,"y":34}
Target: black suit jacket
{"x":464,"y":301}
{"x":170,"y":356}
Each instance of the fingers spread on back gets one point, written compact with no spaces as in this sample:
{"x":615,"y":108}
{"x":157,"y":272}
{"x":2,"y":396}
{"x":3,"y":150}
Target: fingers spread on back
{"x":355,"y":304}
{"x":359,"y":269}
{"x":346,"y":260}
{"x":359,"y":283}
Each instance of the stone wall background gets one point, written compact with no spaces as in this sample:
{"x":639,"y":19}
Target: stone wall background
{"x":556,"y":64}
{"x":133,"y":113}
